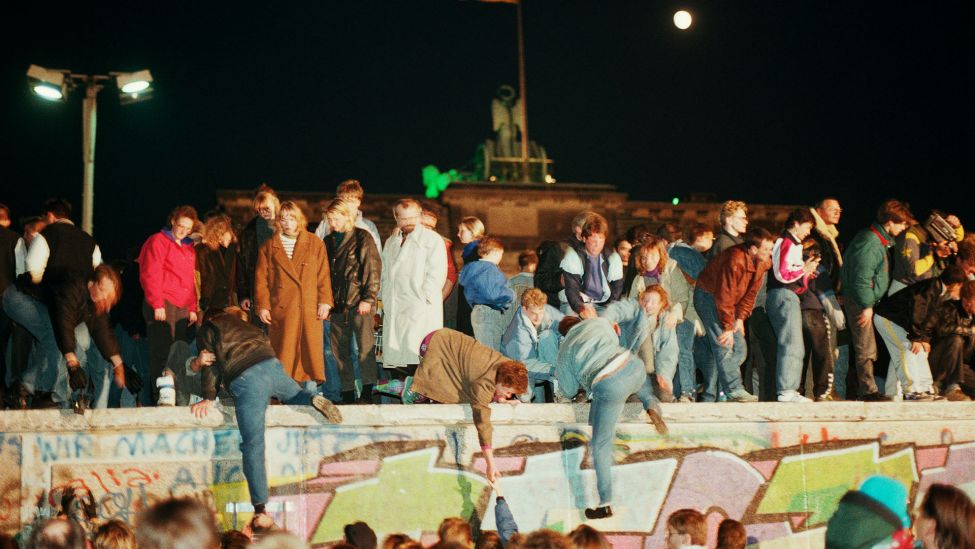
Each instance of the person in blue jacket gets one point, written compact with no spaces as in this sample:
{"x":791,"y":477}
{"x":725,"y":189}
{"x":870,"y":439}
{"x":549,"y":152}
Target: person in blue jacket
{"x":533,"y":339}
{"x":592,"y":359}
{"x":644,"y":332}
{"x":487,"y":291}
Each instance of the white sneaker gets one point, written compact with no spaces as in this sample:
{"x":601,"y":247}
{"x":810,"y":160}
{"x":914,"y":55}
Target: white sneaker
{"x":792,"y":396}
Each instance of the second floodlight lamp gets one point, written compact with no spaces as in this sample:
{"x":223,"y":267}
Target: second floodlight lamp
{"x":133,"y":86}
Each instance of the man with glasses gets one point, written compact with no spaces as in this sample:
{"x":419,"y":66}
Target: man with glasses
{"x":734,"y":222}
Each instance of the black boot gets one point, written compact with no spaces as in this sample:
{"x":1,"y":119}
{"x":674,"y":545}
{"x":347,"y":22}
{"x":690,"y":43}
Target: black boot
{"x":599,"y":512}
{"x":348,"y":397}
{"x":366,"y":396}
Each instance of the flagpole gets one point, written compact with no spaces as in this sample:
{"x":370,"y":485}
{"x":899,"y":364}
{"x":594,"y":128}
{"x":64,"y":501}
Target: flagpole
{"x":523,"y":94}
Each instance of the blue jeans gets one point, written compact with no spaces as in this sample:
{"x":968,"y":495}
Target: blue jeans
{"x":42,"y":370}
{"x":608,"y":397}
{"x":704,"y":361}
{"x":135,"y":353}
{"x":486,"y":323}
{"x":251,"y":391}
{"x":684,"y":384}
{"x":332,"y":388}
{"x":782,"y":307}
{"x":727,"y":360}
{"x":98,"y":369}
{"x":840,"y":370}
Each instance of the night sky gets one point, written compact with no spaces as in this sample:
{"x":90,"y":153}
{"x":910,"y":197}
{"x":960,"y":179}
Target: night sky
{"x":780,"y":102}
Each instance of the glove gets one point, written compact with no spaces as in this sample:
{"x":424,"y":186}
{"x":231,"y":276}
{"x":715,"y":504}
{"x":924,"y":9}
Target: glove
{"x":133,"y":381}
{"x":77,"y":378}
{"x":833,"y":310}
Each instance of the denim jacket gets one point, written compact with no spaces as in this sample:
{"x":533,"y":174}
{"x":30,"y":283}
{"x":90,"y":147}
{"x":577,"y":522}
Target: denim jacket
{"x":537,"y":350}
{"x":656,"y":351}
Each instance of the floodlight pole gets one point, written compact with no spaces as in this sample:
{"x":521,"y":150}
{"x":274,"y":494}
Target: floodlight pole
{"x":523,"y":93}
{"x":89,"y":120}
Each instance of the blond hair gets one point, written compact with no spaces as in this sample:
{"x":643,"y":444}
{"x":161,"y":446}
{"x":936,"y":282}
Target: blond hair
{"x":729,"y":208}
{"x":533,"y":297}
{"x":289,"y":206}
{"x":343,"y":207}
{"x":474,"y":225}
{"x":114,"y":534}
{"x":264,"y":194}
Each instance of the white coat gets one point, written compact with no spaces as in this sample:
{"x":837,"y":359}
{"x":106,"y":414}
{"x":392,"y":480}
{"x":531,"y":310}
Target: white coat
{"x":414,"y":272}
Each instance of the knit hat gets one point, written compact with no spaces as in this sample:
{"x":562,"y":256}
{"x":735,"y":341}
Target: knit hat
{"x":889,"y":492}
{"x":360,"y":535}
{"x":877,"y":513}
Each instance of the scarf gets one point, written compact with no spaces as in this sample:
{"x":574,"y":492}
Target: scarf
{"x":829,"y":232}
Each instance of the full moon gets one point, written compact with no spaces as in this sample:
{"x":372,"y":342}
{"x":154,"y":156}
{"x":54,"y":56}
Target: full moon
{"x":682,"y":20}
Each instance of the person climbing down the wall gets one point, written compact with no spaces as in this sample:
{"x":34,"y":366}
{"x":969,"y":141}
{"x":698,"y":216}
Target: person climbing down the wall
{"x":591,"y":358}
{"x":456,"y":369}
{"x":236,"y":354}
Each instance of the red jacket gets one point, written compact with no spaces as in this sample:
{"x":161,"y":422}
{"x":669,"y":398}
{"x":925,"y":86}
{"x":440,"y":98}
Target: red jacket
{"x":166,"y":271}
{"x":451,"y":264}
{"x":733,"y":278}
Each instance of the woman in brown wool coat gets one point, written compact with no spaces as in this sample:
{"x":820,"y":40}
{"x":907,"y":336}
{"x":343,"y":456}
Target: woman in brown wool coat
{"x":293,"y":294}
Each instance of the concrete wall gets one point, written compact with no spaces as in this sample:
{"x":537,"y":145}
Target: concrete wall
{"x":780,"y":469}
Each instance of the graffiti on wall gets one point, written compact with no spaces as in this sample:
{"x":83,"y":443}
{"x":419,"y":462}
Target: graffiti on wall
{"x":325,"y":477}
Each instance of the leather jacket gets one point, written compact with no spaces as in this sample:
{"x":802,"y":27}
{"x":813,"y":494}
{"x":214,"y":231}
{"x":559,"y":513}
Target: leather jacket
{"x":238,"y":345}
{"x":356,"y":267}
{"x":953,"y":320}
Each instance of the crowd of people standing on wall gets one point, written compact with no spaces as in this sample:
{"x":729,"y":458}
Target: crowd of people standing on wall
{"x":274,"y":311}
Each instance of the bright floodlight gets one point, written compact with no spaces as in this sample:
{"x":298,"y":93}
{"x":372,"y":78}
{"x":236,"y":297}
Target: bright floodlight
{"x":47,"y":83}
{"x":682,"y":20}
{"x":134,"y":86}
{"x":48,"y":92}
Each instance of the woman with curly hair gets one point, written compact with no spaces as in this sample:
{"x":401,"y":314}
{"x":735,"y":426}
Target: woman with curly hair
{"x":216,"y":263}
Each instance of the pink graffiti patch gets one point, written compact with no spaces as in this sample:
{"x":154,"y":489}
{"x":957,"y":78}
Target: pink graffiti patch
{"x":693,"y":487}
{"x":350,"y":468}
{"x":504,"y":464}
{"x":959,"y":468}
{"x":930,"y":457}
{"x":314,"y":506}
{"x":797,"y":520}
{"x":625,"y":542}
{"x":767,"y":468}
{"x":768,"y":530}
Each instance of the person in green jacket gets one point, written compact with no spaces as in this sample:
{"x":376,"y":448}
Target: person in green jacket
{"x":864,"y":279}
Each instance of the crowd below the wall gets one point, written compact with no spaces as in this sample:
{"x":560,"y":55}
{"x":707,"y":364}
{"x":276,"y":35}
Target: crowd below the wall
{"x":875,"y":514}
